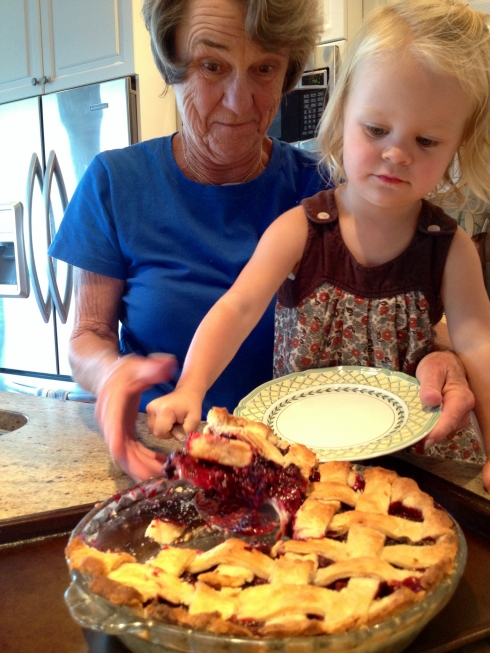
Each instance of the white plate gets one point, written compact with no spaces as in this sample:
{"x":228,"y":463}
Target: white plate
{"x":343,"y":413}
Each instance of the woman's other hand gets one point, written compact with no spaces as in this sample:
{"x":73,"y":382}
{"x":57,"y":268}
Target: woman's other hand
{"x":179,"y":408}
{"x":442,"y":379}
{"x":116,"y":411}
{"x":486,"y":475}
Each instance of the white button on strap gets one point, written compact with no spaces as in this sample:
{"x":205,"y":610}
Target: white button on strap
{"x":433,"y":227}
{"x":323,"y":216}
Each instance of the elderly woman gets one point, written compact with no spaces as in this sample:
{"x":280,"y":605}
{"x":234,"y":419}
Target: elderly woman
{"x":160,"y":230}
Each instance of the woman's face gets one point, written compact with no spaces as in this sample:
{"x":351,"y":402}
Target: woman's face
{"x":232,"y":89}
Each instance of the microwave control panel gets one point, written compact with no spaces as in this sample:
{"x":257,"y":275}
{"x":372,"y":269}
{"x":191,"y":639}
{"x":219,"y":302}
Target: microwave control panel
{"x":312,"y":88}
{"x":313,"y":104}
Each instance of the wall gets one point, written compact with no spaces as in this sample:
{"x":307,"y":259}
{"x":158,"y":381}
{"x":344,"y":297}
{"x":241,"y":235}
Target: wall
{"x":157,"y":112}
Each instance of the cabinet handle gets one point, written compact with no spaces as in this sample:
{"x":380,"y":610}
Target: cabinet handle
{"x":44,"y":79}
{"x":34,"y":81}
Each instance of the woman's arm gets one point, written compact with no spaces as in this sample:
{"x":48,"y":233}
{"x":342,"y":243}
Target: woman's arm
{"x":94,"y":342}
{"x":230,"y":321}
{"x":467,"y":309}
{"x":116,"y":382}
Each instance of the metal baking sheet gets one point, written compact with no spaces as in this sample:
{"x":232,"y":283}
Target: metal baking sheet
{"x":34,"y":577}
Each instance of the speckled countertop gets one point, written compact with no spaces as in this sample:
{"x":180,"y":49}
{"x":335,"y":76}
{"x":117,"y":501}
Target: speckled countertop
{"x":58,"y":458}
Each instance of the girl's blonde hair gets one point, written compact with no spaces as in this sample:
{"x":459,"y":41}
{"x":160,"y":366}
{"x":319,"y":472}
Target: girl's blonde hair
{"x":447,"y":37}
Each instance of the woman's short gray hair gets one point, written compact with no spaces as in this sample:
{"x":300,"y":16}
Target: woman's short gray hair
{"x":272,"y":25}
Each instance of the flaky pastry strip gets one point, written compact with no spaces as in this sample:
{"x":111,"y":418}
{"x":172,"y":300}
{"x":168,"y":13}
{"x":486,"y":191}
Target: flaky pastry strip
{"x":152,"y":583}
{"x":214,"y":448}
{"x":362,"y":568}
{"x":233,"y":552}
{"x":91,"y":561}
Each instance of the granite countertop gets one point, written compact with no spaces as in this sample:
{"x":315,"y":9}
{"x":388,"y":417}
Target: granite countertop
{"x":58,"y":458}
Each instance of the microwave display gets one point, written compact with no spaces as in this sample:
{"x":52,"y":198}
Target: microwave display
{"x":314,"y":79}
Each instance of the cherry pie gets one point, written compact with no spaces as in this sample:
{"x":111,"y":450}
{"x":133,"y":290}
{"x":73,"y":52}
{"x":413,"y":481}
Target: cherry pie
{"x":355,"y":546}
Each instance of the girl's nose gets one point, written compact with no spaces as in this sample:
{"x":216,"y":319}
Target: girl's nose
{"x":237,"y":95}
{"x":398,"y":154}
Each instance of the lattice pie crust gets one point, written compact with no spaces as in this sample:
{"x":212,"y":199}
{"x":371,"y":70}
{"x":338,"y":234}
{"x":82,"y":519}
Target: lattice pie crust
{"x":360,"y":547}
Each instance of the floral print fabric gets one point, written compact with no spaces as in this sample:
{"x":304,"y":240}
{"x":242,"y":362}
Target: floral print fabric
{"x":333,"y":327}
{"x":462,"y":445}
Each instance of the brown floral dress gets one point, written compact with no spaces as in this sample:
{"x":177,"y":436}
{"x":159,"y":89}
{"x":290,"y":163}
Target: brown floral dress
{"x":338,"y":312}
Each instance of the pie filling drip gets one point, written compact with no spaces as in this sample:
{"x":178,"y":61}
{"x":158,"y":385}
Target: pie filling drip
{"x":359,"y":547}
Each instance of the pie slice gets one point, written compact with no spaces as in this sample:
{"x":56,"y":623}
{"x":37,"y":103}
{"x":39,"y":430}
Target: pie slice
{"x":244,"y":461}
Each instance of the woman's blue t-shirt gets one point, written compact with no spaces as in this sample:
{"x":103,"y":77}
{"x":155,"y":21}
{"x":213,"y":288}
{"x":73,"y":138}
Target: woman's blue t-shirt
{"x":179,"y":246}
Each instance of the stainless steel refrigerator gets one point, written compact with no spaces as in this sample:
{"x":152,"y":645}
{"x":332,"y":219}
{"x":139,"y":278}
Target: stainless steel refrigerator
{"x":46,"y":144}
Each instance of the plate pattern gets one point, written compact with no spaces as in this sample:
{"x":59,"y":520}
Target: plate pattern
{"x":412,"y":419}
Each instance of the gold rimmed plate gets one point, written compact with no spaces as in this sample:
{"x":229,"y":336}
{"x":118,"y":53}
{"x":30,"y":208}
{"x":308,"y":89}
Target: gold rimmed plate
{"x":343,"y":413}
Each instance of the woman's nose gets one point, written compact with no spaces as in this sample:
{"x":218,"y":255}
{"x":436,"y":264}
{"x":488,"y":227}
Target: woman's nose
{"x":397,"y":153}
{"x":238,"y":95}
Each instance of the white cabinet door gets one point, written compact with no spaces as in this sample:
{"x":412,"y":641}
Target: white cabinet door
{"x":341,"y":19}
{"x":85,"y":42}
{"x":20,"y":48}
{"x":61,"y":44}
{"x":481,"y":5}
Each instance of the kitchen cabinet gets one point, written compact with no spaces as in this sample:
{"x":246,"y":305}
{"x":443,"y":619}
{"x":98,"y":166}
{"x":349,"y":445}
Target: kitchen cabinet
{"x":481,"y":5}
{"x":341,"y":19}
{"x":53,"y":45}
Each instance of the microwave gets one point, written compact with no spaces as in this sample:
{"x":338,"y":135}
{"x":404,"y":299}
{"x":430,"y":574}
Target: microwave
{"x":300,"y":110}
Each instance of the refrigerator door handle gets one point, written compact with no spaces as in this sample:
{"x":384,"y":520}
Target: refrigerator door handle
{"x":44,"y":304}
{"x":53,"y":170}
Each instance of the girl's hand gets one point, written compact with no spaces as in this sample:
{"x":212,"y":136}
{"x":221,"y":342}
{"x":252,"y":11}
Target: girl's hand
{"x":182,"y":407}
{"x":117,"y":407}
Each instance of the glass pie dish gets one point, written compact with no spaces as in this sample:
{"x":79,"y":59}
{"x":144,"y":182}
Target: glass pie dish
{"x":120,"y":523}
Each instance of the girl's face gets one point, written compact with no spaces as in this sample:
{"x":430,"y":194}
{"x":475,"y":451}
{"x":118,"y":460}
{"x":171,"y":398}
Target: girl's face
{"x":402,"y":126}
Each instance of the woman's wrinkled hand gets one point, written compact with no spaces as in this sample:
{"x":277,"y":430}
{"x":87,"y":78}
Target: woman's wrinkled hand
{"x":116,"y":411}
{"x":182,"y":407}
{"x":442,"y":379}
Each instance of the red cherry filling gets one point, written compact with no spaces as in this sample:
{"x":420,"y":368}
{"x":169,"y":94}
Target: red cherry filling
{"x":359,"y":484}
{"x":234,"y":514}
{"x":385,"y":588}
{"x":397,"y":509}
{"x":258,"y":482}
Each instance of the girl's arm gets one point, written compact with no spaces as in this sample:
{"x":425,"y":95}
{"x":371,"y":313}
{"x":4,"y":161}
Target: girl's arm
{"x":230,"y":321}
{"x":467,"y":309}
